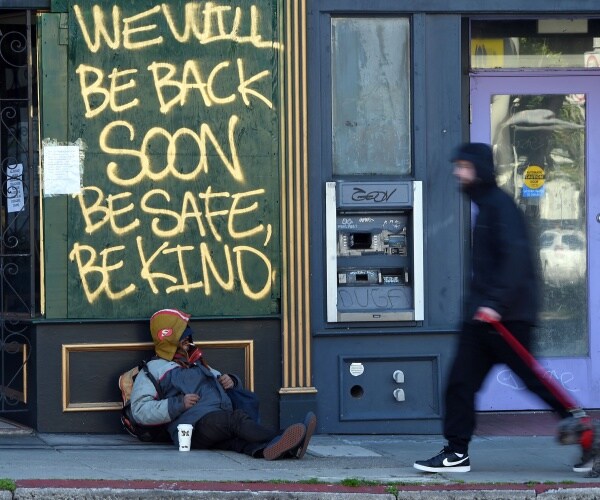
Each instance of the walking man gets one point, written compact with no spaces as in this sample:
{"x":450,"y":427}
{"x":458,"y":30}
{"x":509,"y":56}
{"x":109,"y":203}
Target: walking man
{"x":503,"y":287}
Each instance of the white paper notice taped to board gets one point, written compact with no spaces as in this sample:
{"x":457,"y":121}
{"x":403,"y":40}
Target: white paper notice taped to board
{"x":62,"y":174}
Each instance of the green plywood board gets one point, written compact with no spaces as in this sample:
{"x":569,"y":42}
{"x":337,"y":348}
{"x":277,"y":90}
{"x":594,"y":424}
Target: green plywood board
{"x":53,"y":111}
{"x":58,"y":5}
{"x":176,"y":105}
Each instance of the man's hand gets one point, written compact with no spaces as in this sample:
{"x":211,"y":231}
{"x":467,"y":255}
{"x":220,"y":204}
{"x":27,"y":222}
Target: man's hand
{"x":226,"y":381}
{"x":486,"y":314}
{"x":190,"y":400}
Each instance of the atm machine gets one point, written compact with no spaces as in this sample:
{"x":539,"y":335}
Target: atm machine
{"x":374,"y":246}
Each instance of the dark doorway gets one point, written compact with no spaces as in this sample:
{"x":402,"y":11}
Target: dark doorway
{"x":19,"y":210}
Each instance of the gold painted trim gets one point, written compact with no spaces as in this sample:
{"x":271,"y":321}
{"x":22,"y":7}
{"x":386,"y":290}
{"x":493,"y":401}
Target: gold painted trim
{"x":290,"y":326}
{"x":296,"y":327}
{"x":298,"y":390}
{"x":67,"y":349}
{"x":305,"y":236}
{"x":297,"y":379}
{"x":284,"y":201}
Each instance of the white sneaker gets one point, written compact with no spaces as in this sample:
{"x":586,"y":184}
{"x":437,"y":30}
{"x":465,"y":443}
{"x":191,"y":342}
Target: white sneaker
{"x":445,"y":461}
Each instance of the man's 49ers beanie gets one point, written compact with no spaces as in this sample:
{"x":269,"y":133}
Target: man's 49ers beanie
{"x":166,"y":328}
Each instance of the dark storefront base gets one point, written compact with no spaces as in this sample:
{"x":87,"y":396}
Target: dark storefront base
{"x":384,"y":384}
{"x":77,"y":366}
{"x":293,"y":407}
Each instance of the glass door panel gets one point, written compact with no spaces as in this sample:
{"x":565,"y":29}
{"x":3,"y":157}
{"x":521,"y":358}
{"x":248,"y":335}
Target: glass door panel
{"x":542,"y":128}
{"x":539,"y":144}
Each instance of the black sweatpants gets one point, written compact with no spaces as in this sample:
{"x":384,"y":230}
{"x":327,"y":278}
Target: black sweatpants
{"x":232,"y":431}
{"x":480,"y":347}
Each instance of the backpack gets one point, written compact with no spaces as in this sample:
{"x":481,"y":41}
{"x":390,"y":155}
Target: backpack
{"x":243,"y":399}
{"x":146,"y":433}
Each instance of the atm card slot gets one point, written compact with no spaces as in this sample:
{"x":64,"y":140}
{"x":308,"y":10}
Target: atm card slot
{"x":397,"y":276}
{"x":395,"y":244}
{"x":359,"y":277}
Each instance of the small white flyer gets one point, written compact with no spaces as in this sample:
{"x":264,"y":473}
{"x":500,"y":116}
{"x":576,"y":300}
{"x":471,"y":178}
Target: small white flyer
{"x":15,"y":199}
{"x":61,"y":170}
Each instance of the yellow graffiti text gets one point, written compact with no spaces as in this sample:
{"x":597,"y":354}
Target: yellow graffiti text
{"x":98,"y":210}
{"x":164,"y":77}
{"x":88,"y":268}
{"x":233,"y":268}
{"x":190,"y":210}
{"x":248,"y":292}
{"x":171,"y":89}
{"x":204,"y":22}
{"x":92,"y":88}
{"x":158,"y":136}
{"x":96,"y":214}
{"x":237,"y":199}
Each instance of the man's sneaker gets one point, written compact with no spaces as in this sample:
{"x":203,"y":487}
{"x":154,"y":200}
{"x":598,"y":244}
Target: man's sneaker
{"x":585,"y":464}
{"x":310,"y":422}
{"x":445,"y":461}
{"x":289,"y":440}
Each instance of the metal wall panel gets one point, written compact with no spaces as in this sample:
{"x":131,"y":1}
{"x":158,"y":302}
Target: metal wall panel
{"x":437,"y":127}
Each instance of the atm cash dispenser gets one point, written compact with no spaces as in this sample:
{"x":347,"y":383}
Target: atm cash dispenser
{"x":374,"y":242}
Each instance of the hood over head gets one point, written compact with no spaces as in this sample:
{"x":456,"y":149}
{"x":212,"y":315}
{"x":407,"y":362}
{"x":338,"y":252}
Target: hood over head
{"x":481,"y":156}
{"x":167,"y":327}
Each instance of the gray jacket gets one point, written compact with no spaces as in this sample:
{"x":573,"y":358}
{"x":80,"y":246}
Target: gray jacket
{"x":176,"y":381}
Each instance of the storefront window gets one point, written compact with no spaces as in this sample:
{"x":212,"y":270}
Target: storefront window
{"x":539,"y":148}
{"x":535,"y":43}
{"x":370,"y":69}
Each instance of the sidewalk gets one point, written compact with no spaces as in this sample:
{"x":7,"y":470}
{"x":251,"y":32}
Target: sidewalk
{"x":57,"y":466}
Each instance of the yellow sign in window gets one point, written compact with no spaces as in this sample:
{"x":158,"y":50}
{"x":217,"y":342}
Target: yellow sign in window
{"x":533,"y":177}
{"x":487,"y":52}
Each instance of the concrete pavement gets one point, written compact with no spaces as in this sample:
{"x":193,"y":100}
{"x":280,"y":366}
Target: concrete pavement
{"x":335,"y":467}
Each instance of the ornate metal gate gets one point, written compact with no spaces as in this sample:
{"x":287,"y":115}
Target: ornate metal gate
{"x":19,"y":208}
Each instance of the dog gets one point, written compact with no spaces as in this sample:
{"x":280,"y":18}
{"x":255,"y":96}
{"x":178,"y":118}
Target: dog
{"x":582,"y":430}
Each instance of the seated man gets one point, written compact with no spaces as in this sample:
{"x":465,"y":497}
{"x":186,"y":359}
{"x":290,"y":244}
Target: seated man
{"x":195,"y":394}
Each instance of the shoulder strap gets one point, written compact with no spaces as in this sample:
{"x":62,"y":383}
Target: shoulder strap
{"x":159,"y":390}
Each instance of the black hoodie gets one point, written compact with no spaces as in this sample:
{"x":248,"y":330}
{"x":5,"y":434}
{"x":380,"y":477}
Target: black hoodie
{"x":504,"y":276}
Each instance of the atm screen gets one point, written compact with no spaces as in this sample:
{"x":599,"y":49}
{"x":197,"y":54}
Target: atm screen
{"x":360,"y":241}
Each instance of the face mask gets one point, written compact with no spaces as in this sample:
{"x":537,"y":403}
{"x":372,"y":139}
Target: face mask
{"x":193,"y":352}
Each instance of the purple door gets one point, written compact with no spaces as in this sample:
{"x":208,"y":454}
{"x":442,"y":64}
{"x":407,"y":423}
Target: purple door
{"x":544,"y":129}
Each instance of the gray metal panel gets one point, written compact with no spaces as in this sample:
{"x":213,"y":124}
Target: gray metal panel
{"x":367,"y":387}
{"x":437,"y":129}
{"x":374,"y":195}
{"x":319,"y":123}
{"x":444,"y":206}
{"x":330,"y":251}
{"x":550,"y":7}
{"x":422,"y":358}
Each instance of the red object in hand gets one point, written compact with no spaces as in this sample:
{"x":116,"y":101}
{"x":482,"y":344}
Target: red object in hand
{"x":533,"y":363}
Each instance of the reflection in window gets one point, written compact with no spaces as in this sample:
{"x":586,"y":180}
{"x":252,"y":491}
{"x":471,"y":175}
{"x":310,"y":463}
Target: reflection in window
{"x":535,"y":43}
{"x":370,"y":96}
{"x":539,"y":148}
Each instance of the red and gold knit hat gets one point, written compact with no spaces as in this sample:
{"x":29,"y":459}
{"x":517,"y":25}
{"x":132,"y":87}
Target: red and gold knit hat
{"x":166,"y":328}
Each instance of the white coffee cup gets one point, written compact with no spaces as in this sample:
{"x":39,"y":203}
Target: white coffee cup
{"x":184,"y":431}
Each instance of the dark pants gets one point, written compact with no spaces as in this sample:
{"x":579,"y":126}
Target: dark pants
{"x":480,"y":347}
{"x":232,"y":431}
